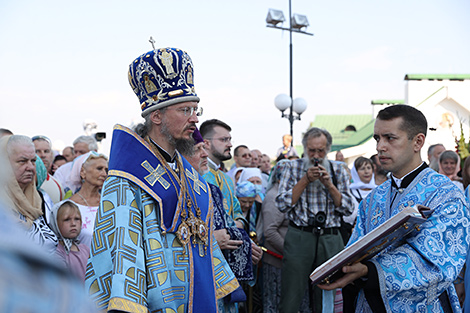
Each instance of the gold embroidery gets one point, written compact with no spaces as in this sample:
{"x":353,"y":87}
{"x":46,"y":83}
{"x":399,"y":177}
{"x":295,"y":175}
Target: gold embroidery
{"x":175,"y":93}
{"x":194,"y":176}
{"x":155,"y":175}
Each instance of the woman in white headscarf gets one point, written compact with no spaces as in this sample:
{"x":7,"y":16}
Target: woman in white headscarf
{"x":87,"y":176}
{"x":449,"y":165}
{"x":363,"y":182}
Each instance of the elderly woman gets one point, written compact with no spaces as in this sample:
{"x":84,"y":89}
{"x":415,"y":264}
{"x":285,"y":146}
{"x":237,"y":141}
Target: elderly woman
{"x":253,"y":175}
{"x":273,"y":225}
{"x":21,"y":195}
{"x":87,"y":177}
{"x":449,"y":165}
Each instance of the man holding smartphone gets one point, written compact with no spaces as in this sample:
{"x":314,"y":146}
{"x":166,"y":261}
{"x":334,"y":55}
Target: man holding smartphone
{"x":314,"y":193}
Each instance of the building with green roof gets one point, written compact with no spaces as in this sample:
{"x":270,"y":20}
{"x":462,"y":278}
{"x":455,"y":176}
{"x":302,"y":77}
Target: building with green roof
{"x":443,"y":98}
{"x":337,"y":125}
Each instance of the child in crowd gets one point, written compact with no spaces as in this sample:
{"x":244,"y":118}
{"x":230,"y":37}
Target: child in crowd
{"x":66,"y":222}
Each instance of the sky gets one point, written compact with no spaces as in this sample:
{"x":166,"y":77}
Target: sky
{"x":65,"y":62}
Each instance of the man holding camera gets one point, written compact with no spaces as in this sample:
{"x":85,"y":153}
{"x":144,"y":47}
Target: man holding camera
{"x":314,"y":193}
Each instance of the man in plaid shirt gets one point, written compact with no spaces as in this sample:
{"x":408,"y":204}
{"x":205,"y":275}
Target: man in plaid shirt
{"x":314,"y":193}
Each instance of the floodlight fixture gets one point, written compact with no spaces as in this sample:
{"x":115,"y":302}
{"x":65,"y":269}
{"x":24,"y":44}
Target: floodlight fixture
{"x":299,"y":21}
{"x":275,"y":17}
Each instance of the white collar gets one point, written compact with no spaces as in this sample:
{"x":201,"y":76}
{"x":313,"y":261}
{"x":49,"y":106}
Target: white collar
{"x":398,"y":181}
{"x":213,"y":164}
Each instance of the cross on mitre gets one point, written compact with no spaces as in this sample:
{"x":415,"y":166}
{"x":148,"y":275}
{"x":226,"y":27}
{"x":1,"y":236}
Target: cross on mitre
{"x":155,"y":175}
{"x":152,"y":41}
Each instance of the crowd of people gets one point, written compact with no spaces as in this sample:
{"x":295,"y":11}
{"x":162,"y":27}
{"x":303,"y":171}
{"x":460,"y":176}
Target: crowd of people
{"x":161,"y":224}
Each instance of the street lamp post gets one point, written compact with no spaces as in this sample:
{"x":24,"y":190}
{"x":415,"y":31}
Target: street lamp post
{"x":296,"y":23}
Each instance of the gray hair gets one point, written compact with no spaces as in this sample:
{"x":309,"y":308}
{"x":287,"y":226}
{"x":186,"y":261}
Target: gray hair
{"x":432,"y":147}
{"x":315,"y":132}
{"x":143,"y":129}
{"x":89,"y":140}
{"x":18,"y":140}
{"x":449,"y":155}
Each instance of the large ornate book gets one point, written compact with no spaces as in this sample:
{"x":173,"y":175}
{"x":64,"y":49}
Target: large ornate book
{"x":391,"y":233}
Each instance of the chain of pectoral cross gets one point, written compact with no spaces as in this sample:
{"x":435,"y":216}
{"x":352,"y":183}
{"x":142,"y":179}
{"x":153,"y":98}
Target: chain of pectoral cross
{"x":187,"y":216}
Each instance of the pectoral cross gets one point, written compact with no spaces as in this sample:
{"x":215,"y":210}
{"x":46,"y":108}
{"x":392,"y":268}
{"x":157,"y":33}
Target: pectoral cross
{"x":155,"y":175}
{"x":376,"y":216}
{"x":194,"y":176}
{"x":152,"y":41}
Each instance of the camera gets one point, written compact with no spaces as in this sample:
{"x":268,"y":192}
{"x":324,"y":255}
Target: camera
{"x":100,"y":136}
{"x":318,"y":221}
{"x":315,"y":162}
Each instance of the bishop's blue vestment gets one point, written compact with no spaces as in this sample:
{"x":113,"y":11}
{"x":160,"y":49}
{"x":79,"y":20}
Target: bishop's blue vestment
{"x":139,"y":259}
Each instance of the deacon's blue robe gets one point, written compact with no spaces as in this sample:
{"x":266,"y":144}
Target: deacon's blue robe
{"x":412,"y":276}
{"x":466,"y":307}
{"x":136,"y":263}
{"x":225,"y":184}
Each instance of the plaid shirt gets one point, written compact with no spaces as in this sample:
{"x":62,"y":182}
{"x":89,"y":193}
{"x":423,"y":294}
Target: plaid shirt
{"x":313,"y":199}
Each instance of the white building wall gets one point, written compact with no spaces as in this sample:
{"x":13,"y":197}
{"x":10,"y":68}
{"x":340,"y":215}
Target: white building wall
{"x":445,"y":104}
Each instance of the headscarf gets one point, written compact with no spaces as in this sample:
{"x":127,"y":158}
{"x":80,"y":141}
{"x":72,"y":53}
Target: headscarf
{"x":245,"y":189}
{"x":276,"y":173}
{"x":27,"y":203}
{"x":457,"y":167}
{"x":74,"y":180}
{"x":68,"y":242}
{"x":249,"y":172}
{"x":235,"y":173}
{"x":357,"y":183}
{"x":41,"y":172}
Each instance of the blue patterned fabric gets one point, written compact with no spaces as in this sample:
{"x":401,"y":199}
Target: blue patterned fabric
{"x":466,"y":306}
{"x":41,"y":172}
{"x":225,"y":184}
{"x":137,"y":264}
{"x":246,"y":189}
{"x":239,"y":259}
{"x":412,"y":276}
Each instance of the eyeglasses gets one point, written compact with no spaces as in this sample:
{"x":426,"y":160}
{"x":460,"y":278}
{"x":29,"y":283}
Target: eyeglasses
{"x":222,"y":139}
{"x":188,"y":111}
{"x":319,"y":151}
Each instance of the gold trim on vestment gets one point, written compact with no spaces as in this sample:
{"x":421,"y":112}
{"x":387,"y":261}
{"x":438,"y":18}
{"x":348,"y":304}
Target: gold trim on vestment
{"x":125,"y":305}
{"x":139,"y":183}
{"x":227,"y":289}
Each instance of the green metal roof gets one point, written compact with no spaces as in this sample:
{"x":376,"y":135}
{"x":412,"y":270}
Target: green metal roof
{"x":336,"y":124}
{"x":381,"y":102}
{"x":437,"y":76}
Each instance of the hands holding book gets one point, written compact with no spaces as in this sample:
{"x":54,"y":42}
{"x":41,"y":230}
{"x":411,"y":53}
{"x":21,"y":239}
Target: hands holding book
{"x":346,"y":266}
{"x":351,"y":273}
